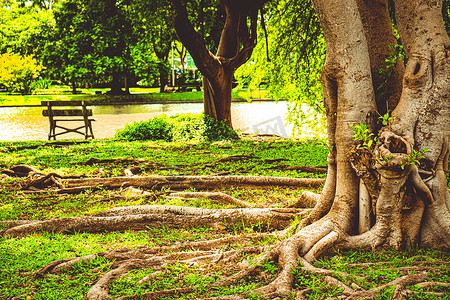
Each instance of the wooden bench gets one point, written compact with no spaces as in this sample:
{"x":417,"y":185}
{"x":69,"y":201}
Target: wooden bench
{"x":68,"y":111}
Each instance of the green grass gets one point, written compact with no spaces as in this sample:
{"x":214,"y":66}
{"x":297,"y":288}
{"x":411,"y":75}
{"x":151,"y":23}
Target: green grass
{"x":389,"y":268}
{"x":181,"y":159}
{"x":139,"y":95}
{"x":21,"y":257}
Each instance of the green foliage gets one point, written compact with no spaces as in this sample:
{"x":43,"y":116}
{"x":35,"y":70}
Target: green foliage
{"x":415,"y":156}
{"x":91,"y":41}
{"x":446,"y":14}
{"x":42,"y":84}
{"x":155,"y":129}
{"x":363,"y":134}
{"x":17,"y":72}
{"x":24,"y":29}
{"x":385,"y":119}
{"x":269,"y":267}
{"x":181,"y":127}
{"x":292,"y":71}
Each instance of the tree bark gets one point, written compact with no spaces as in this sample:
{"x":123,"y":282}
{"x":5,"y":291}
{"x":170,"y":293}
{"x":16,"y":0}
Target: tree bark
{"x":394,"y":187}
{"x":349,"y":99}
{"x":387,"y":79}
{"x":197,"y":182}
{"x":422,"y":116}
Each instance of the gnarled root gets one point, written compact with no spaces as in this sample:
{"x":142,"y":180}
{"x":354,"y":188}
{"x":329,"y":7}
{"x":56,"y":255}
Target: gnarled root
{"x":157,"y":216}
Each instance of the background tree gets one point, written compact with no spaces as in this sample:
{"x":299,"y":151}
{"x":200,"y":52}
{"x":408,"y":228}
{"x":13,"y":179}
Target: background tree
{"x":114,"y":34}
{"x":92,"y":41}
{"x":152,"y":21}
{"x":24,"y":29}
{"x":237,"y":41}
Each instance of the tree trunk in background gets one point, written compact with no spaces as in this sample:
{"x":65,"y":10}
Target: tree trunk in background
{"x":74,"y":86}
{"x":163,"y":77}
{"x":217,"y":97}
{"x":236,"y":45}
{"x":116,"y":84}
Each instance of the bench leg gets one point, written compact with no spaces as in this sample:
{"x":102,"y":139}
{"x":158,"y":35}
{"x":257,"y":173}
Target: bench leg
{"x":52,"y":130}
{"x":88,"y":130}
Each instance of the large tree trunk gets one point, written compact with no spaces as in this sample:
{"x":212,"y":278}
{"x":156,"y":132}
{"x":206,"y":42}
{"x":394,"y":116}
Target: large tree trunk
{"x":422,"y":116}
{"x":217,"y":97}
{"x":400,"y":197}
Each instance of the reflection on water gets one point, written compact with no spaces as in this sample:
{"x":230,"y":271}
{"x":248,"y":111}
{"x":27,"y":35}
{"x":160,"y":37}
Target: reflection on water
{"x":27,"y":123}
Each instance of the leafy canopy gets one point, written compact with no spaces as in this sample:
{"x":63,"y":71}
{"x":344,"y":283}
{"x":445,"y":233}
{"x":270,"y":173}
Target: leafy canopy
{"x":17,"y":72}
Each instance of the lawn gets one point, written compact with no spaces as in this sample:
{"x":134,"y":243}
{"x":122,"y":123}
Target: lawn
{"x":21,"y":257}
{"x":138,"y":95}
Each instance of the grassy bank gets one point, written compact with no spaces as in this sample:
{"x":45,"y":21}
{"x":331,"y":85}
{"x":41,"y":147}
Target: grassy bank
{"x":20,"y":257}
{"x":138,"y":95}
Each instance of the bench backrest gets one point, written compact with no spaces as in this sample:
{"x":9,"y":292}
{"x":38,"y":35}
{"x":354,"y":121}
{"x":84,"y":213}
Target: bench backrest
{"x":51,"y":111}
{"x":63,"y":103}
{"x":66,"y":112}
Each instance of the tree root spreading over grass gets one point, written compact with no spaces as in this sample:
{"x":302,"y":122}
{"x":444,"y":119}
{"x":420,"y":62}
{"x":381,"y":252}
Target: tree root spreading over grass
{"x":226,"y":253}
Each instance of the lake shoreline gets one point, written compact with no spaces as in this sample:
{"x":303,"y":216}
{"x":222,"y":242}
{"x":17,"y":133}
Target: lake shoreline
{"x":27,"y":123}
{"x":152,"y":102}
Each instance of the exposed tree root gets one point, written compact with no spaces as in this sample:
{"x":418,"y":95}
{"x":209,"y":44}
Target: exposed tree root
{"x":14,"y":223}
{"x":400,"y":284}
{"x":432,"y":284}
{"x":140,"y":166}
{"x":236,"y":158}
{"x":35,"y":179}
{"x":143,"y":217}
{"x":172,"y":182}
{"x":197,"y":182}
{"x":382,"y":263}
{"x":307,"y":199}
{"x":125,"y":260}
{"x":93,"y":161}
{"x":21,"y":171}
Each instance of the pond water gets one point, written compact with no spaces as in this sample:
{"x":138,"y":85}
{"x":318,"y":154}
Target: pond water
{"x":27,"y":123}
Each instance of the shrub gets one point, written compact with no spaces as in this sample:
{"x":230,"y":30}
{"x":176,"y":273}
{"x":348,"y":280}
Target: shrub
{"x":17,"y":72}
{"x":154,"y":129}
{"x":216,"y":131}
{"x":180,"y":128}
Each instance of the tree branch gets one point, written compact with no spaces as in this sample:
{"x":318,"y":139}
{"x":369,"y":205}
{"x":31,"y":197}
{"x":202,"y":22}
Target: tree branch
{"x":205,"y":61}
